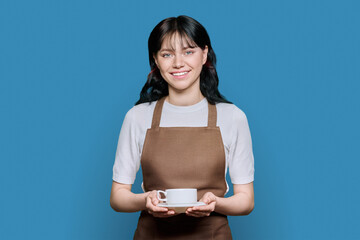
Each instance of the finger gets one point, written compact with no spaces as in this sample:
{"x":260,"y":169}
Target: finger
{"x":189,"y":209}
{"x":159,"y":209}
{"x":206,"y":196}
{"x":203,"y":208}
{"x":200,"y":208}
{"x":199,"y":212}
{"x":208,"y":200}
{"x":209,"y":209}
{"x":154,"y":208}
{"x":205,"y":200}
{"x":163,"y":215}
{"x":152,"y":205}
{"x":155,"y":201}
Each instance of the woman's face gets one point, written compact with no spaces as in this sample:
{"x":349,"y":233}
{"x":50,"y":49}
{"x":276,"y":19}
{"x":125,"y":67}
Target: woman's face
{"x":180,"y":67}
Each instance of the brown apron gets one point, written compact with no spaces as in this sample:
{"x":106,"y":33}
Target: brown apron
{"x":183,"y":157}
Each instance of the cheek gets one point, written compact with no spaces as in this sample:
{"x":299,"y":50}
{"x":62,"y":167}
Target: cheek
{"x":163,"y":66}
{"x":199,"y":60}
{"x":198,"y":63}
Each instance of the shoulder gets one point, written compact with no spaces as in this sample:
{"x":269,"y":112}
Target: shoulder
{"x":140,"y":115}
{"x":140,"y":110}
{"x":231,"y":112}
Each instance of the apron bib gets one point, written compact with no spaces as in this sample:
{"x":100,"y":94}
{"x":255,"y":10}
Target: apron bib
{"x":183,"y":157}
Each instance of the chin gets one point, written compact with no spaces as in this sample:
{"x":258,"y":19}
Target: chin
{"x":180,"y":87}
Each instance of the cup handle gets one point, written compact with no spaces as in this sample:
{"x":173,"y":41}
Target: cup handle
{"x":159,"y":197}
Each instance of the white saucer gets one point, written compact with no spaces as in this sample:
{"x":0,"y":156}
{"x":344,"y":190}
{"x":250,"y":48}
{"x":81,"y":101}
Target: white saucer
{"x":181,"y":205}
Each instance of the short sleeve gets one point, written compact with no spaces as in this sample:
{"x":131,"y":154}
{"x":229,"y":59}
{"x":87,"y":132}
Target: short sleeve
{"x":241,"y":159}
{"x":127,"y":157}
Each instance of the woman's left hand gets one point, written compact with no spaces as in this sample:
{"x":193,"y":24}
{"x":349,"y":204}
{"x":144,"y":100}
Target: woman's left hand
{"x":203,"y":211}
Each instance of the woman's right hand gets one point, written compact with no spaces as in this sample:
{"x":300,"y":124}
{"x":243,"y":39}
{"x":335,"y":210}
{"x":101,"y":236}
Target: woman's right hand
{"x":151,"y":205}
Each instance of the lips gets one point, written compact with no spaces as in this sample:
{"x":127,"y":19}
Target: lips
{"x":179,"y":73}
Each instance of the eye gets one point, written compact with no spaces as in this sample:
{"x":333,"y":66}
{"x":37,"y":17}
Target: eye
{"x":189,"y":52}
{"x":166,"y":55}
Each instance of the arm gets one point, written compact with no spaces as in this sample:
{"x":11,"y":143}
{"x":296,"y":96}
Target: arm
{"x":123,"y":200}
{"x":241,"y":203}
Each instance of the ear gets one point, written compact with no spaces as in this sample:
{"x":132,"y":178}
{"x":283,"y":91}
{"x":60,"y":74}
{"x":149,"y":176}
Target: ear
{"x":205,"y":52}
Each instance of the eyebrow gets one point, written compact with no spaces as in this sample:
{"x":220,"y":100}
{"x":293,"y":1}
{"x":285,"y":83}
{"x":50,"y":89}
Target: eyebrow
{"x":170,"y":50}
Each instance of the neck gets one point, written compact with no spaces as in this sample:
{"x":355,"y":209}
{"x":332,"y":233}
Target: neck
{"x":184,"y":99}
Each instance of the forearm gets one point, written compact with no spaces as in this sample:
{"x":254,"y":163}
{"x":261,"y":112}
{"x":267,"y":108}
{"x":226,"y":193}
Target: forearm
{"x":124,"y":200}
{"x":238,"y":204}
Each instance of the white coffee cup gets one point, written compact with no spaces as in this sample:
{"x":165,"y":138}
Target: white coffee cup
{"x":178,"y":195}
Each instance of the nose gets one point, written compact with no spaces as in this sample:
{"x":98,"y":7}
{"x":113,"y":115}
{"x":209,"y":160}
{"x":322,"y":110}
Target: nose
{"x":178,"y":61}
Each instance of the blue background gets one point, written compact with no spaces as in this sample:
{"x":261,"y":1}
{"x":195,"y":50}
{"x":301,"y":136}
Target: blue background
{"x":70,"y":70}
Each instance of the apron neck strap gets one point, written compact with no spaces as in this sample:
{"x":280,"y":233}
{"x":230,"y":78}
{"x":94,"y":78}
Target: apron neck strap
{"x":212,"y":114}
{"x":157,"y":113}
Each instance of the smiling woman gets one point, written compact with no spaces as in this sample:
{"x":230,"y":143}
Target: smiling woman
{"x":181,"y":67}
{"x":184,"y":134}
{"x":176,"y":39}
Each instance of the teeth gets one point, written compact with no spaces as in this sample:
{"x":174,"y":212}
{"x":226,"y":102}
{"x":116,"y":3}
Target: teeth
{"x":179,"y":74}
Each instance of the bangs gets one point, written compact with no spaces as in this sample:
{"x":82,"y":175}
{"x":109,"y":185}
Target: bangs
{"x":171,"y":38}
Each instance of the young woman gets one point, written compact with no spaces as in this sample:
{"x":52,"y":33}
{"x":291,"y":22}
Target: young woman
{"x":184,"y":134}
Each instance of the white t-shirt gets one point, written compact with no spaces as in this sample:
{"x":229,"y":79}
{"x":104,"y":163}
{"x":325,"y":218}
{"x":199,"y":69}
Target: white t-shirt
{"x":230,"y":119}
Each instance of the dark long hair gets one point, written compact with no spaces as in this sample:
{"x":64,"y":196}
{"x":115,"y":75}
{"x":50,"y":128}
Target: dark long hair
{"x":187,"y":28}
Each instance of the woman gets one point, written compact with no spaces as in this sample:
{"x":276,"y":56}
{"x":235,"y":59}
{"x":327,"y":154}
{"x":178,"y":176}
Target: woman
{"x":184,"y":134}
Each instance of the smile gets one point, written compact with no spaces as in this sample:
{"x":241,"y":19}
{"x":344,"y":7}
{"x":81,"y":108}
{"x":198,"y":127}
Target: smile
{"x":179,"y":73}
